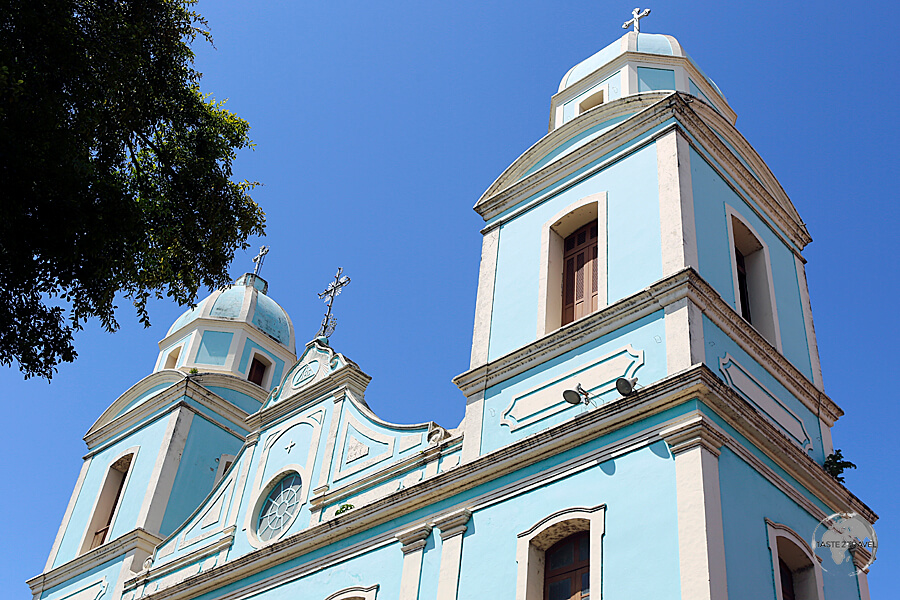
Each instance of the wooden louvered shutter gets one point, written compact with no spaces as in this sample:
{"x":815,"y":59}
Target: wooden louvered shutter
{"x":580,"y":280}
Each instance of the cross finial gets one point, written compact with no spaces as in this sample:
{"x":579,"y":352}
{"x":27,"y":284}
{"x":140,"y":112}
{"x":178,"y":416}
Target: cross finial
{"x":636,"y":16}
{"x":258,"y":259}
{"x":333,"y":290}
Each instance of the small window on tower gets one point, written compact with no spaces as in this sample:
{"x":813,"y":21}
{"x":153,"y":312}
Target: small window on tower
{"x":580,"y":283}
{"x":107,"y":503}
{"x":753,"y":290}
{"x":258,"y":370}
{"x":594,"y":100}
{"x":172,"y":359}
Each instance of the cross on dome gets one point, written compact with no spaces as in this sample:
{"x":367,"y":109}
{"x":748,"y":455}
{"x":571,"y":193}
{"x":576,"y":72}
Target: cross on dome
{"x":636,"y":16}
{"x":258,"y":259}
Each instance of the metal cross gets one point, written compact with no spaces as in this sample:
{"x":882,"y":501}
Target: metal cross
{"x":331,"y":292}
{"x":290,"y":446}
{"x":636,"y":16}
{"x":258,"y":259}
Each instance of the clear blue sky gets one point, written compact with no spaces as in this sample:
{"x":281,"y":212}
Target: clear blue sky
{"x":378,"y":126}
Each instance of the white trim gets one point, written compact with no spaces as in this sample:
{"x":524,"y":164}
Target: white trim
{"x":413,"y":547}
{"x":684,"y":336}
{"x":695,"y":444}
{"x":87,"y":537}
{"x":473,"y":423}
{"x":452,"y":526}
{"x":484,"y":299}
{"x":168,"y":457}
{"x":68,"y":516}
{"x":531,"y":544}
{"x":356,"y":592}
{"x":762,"y":320}
{"x":550,"y":274}
{"x":811,"y":343}
{"x":380,"y":438}
{"x":778,"y":530}
{"x":678,"y":235}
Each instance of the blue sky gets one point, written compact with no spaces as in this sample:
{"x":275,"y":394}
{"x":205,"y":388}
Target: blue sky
{"x":378,"y":126}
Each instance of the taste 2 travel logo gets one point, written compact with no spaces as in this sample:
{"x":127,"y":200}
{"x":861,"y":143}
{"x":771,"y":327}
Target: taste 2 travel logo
{"x":841,"y":536}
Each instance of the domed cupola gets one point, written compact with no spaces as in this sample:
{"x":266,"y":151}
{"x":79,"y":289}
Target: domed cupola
{"x":240,"y":331}
{"x":636,"y":63}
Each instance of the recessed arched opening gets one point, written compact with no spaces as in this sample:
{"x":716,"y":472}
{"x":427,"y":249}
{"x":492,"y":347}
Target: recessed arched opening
{"x":172,"y":358}
{"x":592,"y":101}
{"x":752,"y":272}
{"x":108,"y":502}
{"x":572,"y":280}
{"x":259,"y":370}
{"x":796,"y":570}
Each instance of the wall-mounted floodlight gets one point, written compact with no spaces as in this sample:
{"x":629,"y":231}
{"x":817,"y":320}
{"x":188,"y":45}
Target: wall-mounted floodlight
{"x":576,"y":396}
{"x":626,"y":386}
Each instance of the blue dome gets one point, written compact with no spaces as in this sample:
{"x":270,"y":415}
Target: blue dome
{"x":245,"y":301}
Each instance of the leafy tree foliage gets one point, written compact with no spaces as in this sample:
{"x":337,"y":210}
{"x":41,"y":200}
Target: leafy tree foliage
{"x":115,"y":171}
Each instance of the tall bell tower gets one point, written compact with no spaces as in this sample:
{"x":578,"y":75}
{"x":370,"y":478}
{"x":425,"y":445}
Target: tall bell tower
{"x":644,"y":241}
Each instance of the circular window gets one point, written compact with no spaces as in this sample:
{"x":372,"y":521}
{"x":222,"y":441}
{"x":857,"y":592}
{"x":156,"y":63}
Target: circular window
{"x":279,"y":508}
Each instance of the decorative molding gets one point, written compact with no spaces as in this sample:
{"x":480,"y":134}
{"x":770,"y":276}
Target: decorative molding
{"x":531,"y":545}
{"x":355,"y":593}
{"x":135,"y":539}
{"x":344,"y":466}
{"x":655,"y":108}
{"x":695,"y":432}
{"x":748,"y":386}
{"x":546,"y":400}
{"x":413,"y":547}
{"x":68,"y":515}
{"x":99,"y":436}
{"x":698,"y":382}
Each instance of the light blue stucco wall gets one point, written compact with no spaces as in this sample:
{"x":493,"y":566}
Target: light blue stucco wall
{"x":145,"y":396}
{"x":633,"y":253}
{"x":650,"y":79}
{"x":161,"y":361}
{"x":148,"y":438}
{"x":640,"y":547}
{"x":576,"y":142}
{"x":242,"y":401}
{"x":711,"y":195}
{"x":646,"y":334}
{"x":214,"y":348}
{"x":197,"y":470}
{"x":747,"y":500}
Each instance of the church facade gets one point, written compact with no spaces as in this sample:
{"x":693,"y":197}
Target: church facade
{"x":645,"y":415}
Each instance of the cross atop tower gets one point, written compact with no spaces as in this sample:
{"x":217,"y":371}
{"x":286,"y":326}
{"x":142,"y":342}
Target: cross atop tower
{"x":258,"y":259}
{"x":331,"y":292}
{"x":636,"y":16}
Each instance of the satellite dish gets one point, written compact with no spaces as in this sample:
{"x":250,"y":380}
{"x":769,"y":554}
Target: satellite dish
{"x":625,"y":386}
{"x":572,"y":397}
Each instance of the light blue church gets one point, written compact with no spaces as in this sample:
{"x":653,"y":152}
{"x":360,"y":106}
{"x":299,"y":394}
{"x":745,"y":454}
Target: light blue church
{"x":645,"y":416}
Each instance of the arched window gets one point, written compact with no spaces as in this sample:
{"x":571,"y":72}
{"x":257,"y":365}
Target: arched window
{"x":567,"y":568}
{"x":796,"y":570}
{"x":172,"y":359}
{"x":259,"y":368}
{"x":554,"y":555}
{"x":572,"y":282}
{"x":754,"y":295}
{"x":107,"y":503}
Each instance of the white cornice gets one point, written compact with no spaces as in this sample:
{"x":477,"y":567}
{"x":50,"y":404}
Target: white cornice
{"x":697,"y":382}
{"x":134,"y":417}
{"x":135,"y":539}
{"x":778,"y":208}
{"x":685,"y":283}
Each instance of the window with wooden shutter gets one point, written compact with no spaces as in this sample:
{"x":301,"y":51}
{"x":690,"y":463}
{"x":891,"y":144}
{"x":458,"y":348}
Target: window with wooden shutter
{"x":567,"y":568}
{"x":580,"y":282}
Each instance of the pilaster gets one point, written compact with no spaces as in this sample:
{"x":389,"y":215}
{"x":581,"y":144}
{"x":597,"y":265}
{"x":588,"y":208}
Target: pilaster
{"x":695,"y":444}
{"x":413,"y":546}
{"x":452,"y":526}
